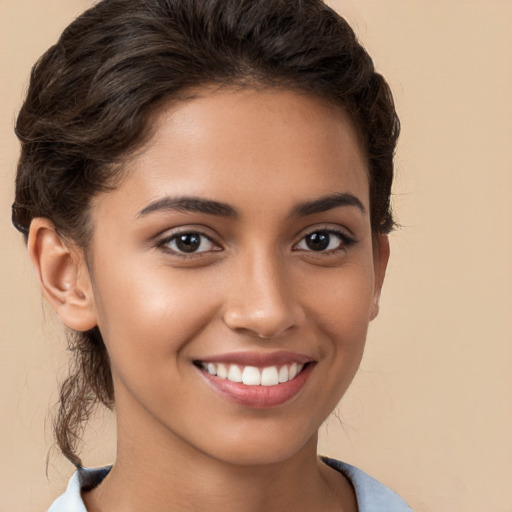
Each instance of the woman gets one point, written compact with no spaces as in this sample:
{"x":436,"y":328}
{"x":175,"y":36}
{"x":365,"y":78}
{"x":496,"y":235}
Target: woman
{"x":204,"y":188}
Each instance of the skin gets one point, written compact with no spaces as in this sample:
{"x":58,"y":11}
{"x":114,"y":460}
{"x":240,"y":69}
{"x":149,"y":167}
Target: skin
{"x":255,"y":285}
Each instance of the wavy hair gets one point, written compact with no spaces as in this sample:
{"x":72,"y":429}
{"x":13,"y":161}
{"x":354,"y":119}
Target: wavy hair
{"x":91,"y":96}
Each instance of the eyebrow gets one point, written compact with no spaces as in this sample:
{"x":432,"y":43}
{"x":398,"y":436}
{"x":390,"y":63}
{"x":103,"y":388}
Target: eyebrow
{"x":326,"y":203}
{"x":189,"y":204}
{"x":210,"y":207}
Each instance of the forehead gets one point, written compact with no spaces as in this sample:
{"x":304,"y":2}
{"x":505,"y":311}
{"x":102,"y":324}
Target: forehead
{"x":266,"y":147}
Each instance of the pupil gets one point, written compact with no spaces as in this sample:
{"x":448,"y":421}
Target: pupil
{"x":188,"y":242}
{"x":318,"y":241}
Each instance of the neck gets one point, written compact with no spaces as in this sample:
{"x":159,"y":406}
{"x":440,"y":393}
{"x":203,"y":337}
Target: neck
{"x":161,"y":472}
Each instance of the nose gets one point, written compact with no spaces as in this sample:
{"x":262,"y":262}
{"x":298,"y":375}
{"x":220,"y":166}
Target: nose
{"x":262,"y":301}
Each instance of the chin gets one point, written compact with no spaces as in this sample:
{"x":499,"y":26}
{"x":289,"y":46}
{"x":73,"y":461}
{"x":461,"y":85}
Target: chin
{"x":263,"y":447}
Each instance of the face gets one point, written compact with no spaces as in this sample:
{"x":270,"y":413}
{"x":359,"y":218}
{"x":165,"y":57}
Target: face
{"x":237,"y":248}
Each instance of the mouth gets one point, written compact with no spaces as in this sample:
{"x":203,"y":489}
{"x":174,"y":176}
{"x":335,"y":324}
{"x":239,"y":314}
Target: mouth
{"x":256,"y":380}
{"x":252,"y":375}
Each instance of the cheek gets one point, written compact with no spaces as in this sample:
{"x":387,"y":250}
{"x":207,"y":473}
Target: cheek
{"x":341,"y":303}
{"x":150,"y":315}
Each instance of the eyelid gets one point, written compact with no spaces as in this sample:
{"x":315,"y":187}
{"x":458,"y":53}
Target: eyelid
{"x":327,"y":226}
{"x":346,"y":237}
{"x":163,"y":241}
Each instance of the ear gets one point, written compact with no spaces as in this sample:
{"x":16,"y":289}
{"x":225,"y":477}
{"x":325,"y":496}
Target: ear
{"x":380,"y":263}
{"x":63,"y":274}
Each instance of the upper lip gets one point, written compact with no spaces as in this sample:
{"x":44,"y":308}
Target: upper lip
{"x":258,"y":359}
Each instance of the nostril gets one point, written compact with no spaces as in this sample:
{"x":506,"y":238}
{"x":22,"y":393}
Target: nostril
{"x":264,"y":324}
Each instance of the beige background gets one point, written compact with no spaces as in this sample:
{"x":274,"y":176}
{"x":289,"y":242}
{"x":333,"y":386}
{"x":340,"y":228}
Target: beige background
{"x":430,"y":412}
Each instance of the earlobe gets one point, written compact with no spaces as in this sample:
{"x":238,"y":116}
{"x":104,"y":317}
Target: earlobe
{"x":380,"y":258}
{"x":63,"y":275}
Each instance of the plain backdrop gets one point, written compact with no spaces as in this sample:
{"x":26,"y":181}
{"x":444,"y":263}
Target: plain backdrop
{"x":430,"y":412}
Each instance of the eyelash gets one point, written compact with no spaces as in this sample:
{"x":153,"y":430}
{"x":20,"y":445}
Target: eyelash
{"x":345,"y":240}
{"x":164,"y":243}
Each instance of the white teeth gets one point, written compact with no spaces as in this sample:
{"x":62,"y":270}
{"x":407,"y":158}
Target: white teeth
{"x":222,"y":371}
{"x":234,"y":373}
{"x":269,"y":376}
{"x":253,"y":376}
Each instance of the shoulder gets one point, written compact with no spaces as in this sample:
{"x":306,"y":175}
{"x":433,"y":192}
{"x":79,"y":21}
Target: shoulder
{"x":83,"y":479}
{"x":371,"y":495}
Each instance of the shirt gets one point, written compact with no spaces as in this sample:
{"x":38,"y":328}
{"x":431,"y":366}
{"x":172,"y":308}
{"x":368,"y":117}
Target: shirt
{"x":371,"y":495}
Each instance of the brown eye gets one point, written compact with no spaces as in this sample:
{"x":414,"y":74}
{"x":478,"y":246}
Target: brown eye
{"x":324,"y":241}
{"x":190,"y":242}
{"x":318,"y":241}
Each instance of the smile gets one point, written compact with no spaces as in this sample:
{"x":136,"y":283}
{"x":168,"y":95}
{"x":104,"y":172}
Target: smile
{"x":252,"y":375}
{"x":257,"y":380}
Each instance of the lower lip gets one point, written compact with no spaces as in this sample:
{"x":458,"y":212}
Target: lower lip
{"x":260,"y":397}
